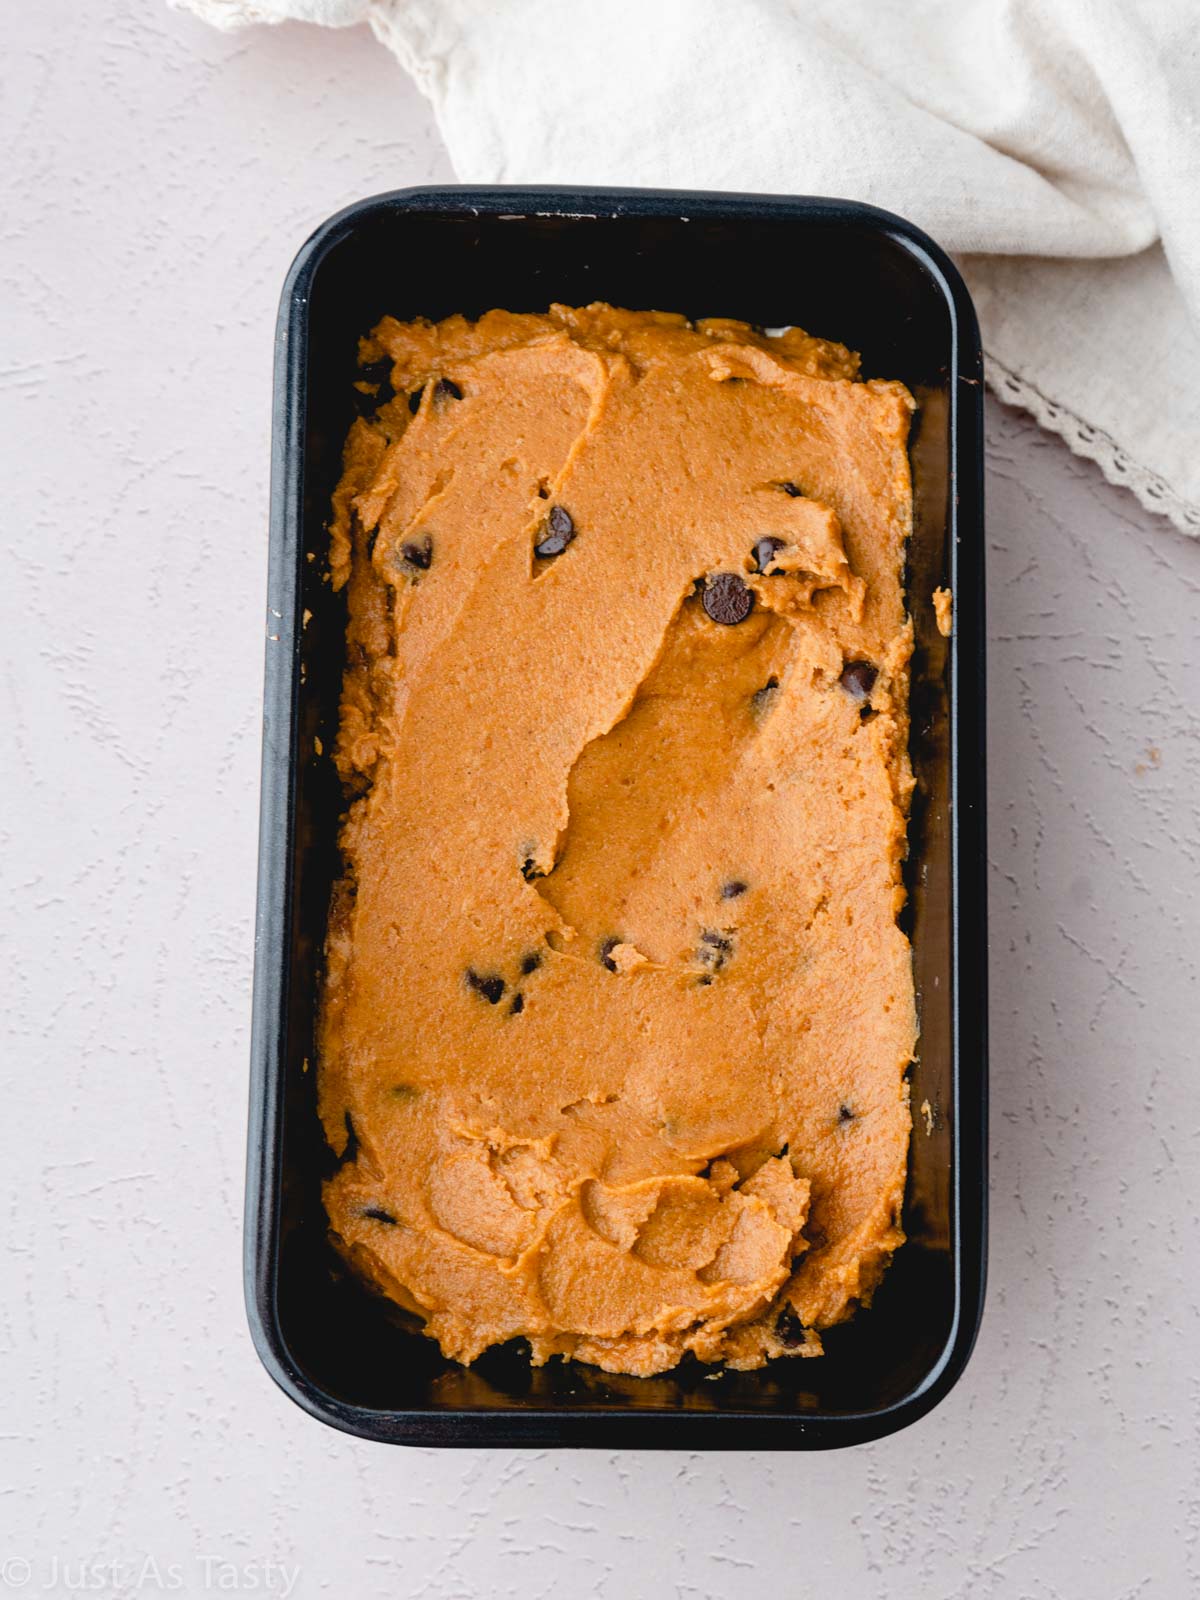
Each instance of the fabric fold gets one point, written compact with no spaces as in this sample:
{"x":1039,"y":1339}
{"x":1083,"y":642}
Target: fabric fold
{"x":1051,"y":145}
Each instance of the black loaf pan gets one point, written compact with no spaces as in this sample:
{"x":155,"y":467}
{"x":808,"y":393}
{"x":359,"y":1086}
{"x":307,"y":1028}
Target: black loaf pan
{"x":840,"y":270}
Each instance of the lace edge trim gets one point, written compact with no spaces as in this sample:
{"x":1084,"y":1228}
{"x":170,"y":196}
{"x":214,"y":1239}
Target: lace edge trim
{"x":1153,"y":491}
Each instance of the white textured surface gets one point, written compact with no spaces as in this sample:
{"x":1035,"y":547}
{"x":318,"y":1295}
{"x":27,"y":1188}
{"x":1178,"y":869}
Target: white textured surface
{"x":159,"y":179}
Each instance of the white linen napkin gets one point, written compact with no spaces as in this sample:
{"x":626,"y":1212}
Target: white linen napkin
{"x":1052,"y":145}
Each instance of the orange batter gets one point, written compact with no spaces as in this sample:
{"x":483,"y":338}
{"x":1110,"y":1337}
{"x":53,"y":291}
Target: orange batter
{"x":617,"y":1013}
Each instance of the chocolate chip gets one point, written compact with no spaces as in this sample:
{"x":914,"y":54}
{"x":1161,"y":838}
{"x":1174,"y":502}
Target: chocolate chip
{"x":846,"y":1113}
{"x":446,"y":389}
{"x":607,"y":946}
{"x":858,"y":678}
{"x":490,"y":985}
{"x":419,"y":554}
{"x":732,"y":888}
{"x":518,"y":1005}
{"x":764,"y":551}
{"x":557,"y":532}
{"x":791,"y":489}
{"x":414,"y":400}
{"x":714,"y":949}
{"x":530,"y":963}
{"x":378,"y":1214}
{"x":789,"y":1330}
{"x":530,"y":870}
{"x":726,"y":599}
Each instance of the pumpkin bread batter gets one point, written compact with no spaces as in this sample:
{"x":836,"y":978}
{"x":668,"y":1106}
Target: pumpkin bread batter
{"x":617,"y":1012}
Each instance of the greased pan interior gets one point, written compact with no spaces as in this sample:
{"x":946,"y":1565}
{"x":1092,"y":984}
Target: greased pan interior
{"x":840,"y":270}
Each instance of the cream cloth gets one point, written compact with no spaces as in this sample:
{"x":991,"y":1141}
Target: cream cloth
{"x":1052,"y":145}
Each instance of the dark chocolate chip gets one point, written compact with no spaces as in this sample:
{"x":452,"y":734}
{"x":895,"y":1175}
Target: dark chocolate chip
{"x":418,"y":554}
{"x":846,"y":1113}
{"x":726,"y":599}
{"x":414,"y":400}
{"x":378,"y":1214}
{"x":530,"y":963}
{"x":490,"y":985}
{"x":789,"y":1330}
{"x":733,"y":888}
{"x":557,"y":532}
{"x":607,"y":946}
{"x":703,"y":982}
{"x":764,"y":551}
{"x":858,"y":678}
{"x":530,"y":870}
{"x":518,"y":1005}
{"x":714,"y":949}
{"x":446,"y":389}
{"x":791,"y":489}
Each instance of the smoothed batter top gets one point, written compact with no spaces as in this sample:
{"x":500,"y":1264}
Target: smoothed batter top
{"x":617,"y":1012}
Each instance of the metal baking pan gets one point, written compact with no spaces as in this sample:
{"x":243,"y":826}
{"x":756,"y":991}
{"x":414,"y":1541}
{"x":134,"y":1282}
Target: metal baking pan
{"x":847,"y":272}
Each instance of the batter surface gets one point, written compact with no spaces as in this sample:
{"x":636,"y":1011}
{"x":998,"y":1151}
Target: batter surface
{"x":617,"y":1012}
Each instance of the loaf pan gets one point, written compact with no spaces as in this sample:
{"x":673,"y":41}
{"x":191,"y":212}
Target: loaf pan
{"x":840,"y":270}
